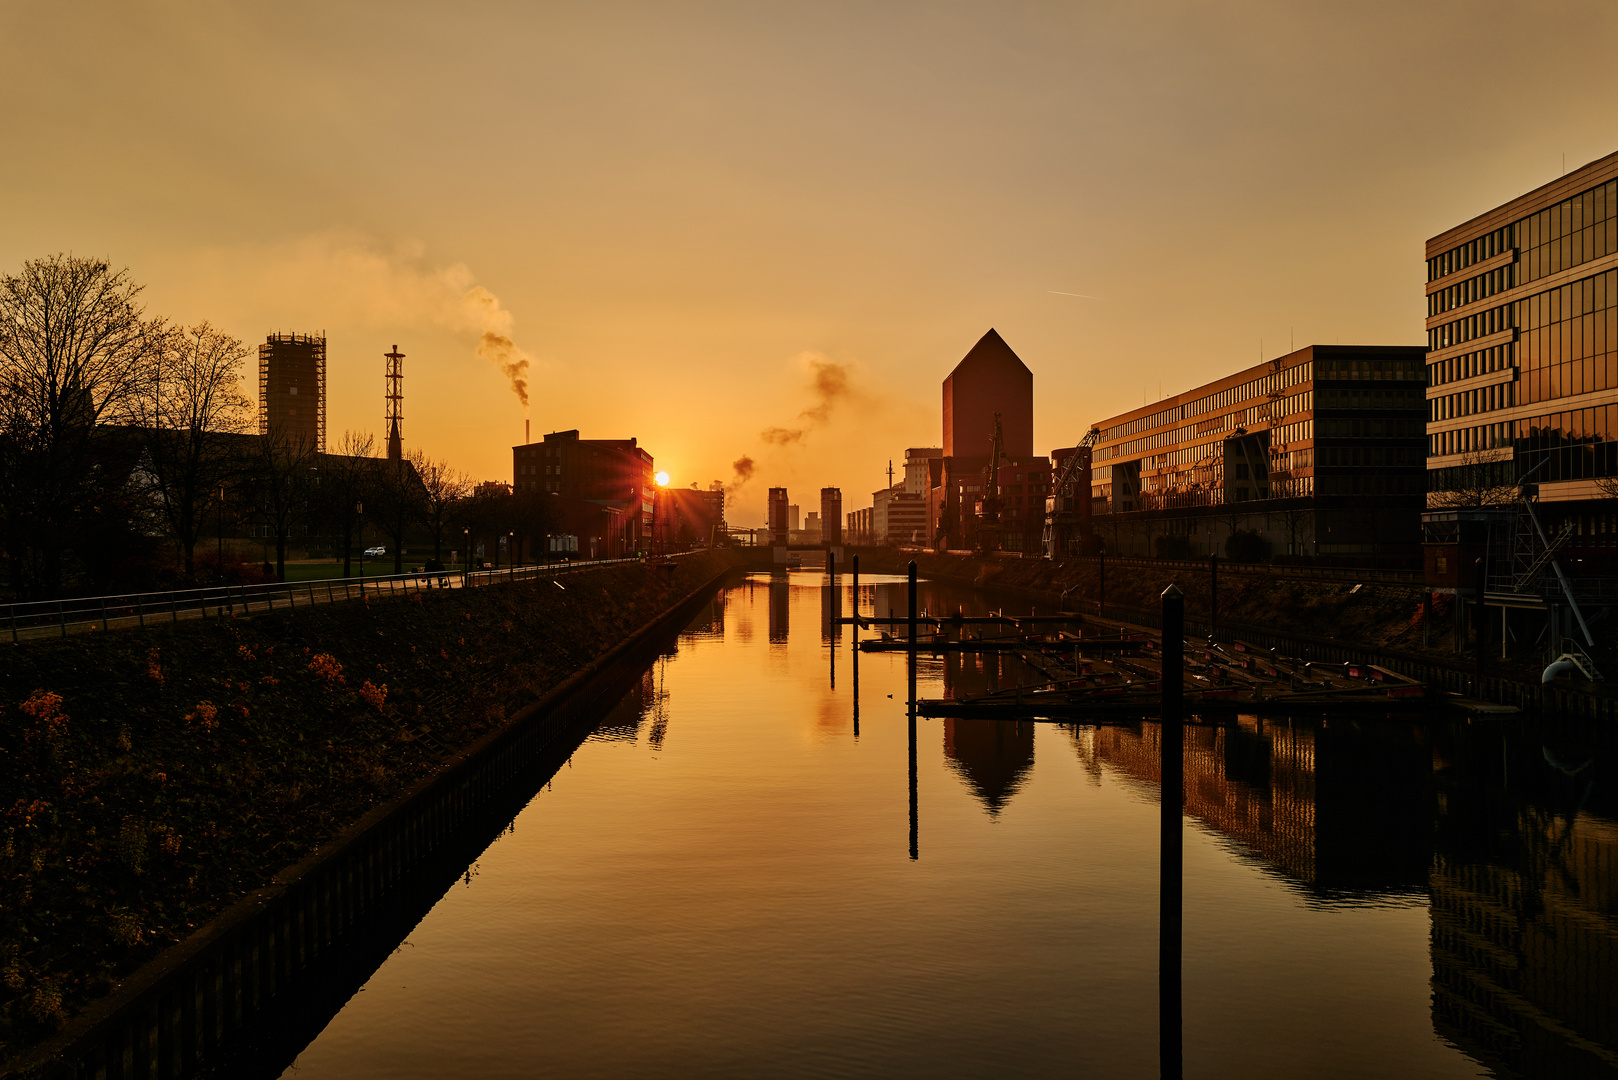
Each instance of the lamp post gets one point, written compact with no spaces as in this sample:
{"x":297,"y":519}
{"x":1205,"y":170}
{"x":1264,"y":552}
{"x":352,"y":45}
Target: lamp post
{"x":511,"y":548}
{"x":466,"y":551}
{"x":219,"y":556}
{"x":359,"y":509}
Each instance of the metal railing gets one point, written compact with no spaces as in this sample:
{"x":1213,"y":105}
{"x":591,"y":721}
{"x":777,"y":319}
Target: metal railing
{"x":59,"y":618}
{"x":1297,"y":571}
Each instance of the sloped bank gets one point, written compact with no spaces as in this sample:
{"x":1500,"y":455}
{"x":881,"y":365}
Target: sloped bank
{"x":348,"y":742}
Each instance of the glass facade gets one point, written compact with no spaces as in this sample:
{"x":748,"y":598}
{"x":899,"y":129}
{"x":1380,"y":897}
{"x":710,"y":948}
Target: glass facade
{"x":1534,"y":390}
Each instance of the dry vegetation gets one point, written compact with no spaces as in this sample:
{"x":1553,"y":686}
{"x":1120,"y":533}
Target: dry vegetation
{"x":149,"y":779}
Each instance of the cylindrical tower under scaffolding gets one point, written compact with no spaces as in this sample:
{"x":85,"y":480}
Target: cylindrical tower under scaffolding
{"x":292,"y":388}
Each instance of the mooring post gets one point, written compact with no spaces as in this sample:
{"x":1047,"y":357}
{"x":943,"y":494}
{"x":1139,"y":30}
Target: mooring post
{"x":831,"y":564}
{"x":1213,"y":594}
{"x":856,"y":574}
{"x":912,"y":601}
{"x":1479,"y":624}
{"x":915,"y":826}
{"x":1171,"y":842}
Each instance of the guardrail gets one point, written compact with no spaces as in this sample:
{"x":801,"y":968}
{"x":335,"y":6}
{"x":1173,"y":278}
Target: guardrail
{"x":58,"y":618}
{"x":1301,"y":571}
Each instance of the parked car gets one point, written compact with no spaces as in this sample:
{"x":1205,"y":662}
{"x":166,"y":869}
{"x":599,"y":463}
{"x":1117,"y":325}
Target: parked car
{"x":375,"y":552}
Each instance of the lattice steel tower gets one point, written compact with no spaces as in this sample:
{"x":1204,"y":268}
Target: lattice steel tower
{"x":292,"y":388}
{"x":395,"y":399}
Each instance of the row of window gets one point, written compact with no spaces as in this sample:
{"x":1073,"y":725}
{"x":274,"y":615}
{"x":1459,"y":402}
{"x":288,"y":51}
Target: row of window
{"x":1258,"y":414}
{"x":1482,"y":362}
{"x":1469,"y":253}
{"x":1577,"y":320}
{"x":1325,"y":368}
{"x":1471,"y":402}
{"x":1371,"y":483}
{"x":1370,"y":427}
{"x":1371,"y":398}
{"x":1579,"y":428}
{"x":1375,"y":370}
{"x":1471,"y":328}
{"x":1264,"y":386}
{"x":1370,"y":457}
{"x":1568,"y":380}
{"x":1568,"y":234}
{"x":1470,"y":291}
{"x":1571,"y":233}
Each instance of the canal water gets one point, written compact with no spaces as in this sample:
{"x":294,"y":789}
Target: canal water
{"x":736,"y":876}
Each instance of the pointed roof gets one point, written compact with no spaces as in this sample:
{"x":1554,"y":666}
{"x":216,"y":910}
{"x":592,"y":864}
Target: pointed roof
{"x":991,"y":349}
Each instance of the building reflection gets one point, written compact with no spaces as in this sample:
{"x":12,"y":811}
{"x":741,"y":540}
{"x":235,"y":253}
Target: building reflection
{"x":1525,"y":906}
{"x":831,"y":610}
{"x":780,"y":608}
{"x":993,"y":757}
{"x":1342,"y":809}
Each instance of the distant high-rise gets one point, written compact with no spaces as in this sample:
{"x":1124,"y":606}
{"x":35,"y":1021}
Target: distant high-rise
{"x":990,"y":379}
{"x":778,"y":515}
{"x":292,"y":387}
{"x":831,"y":516}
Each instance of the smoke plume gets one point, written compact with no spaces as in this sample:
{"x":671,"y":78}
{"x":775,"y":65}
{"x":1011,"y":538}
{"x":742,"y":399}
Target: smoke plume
{"x":503,"y":353}
{"x":744,"y":472}
{"x":496,"y":345}
{"x":829,"y":387}
{"x":349,"y":276}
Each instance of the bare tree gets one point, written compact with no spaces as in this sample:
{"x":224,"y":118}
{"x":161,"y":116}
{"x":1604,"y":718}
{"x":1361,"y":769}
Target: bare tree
{"x":346,"y":480}
{"x":187,"y":407}
{"x":72,"y":341}
{"x":397,"y":495}
{"x":282,"y":471}
{"x":443,"y":490}
{"x":1481,"y":480}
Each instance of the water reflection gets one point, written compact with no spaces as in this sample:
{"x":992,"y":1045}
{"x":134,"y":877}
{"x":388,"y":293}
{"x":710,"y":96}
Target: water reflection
{"x":1525,"y":901}
{"x":1360,"y":898}
{"x":1339,"y":808}
{"x":780,"y":608}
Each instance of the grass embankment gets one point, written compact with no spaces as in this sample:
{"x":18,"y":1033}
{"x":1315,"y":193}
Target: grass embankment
{"x":147,"y":780}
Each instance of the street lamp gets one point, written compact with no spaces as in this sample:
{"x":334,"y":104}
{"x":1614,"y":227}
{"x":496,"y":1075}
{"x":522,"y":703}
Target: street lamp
{"x":359,"y":508}
{"x":466,"y":549}
{"x":220,"y":526}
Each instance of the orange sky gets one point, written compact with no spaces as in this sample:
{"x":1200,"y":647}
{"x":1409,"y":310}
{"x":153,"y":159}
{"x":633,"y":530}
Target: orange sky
{"x":682,"y":210}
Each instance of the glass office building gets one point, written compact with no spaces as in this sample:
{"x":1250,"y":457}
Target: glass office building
{"x":1522,"y":323}
{"x":1318,"y":453}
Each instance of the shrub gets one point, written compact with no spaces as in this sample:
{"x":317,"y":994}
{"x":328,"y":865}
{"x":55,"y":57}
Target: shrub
{"x":1247,"y":546}
{"x":324,"y":666}
{"x":374,"y":695}
{"x":45,"y":709}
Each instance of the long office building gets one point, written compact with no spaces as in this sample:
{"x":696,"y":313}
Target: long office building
{"x":1522,"y":321}
{"x":1316,"y":453}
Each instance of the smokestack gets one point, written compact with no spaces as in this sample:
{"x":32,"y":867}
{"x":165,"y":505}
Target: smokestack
{"x":527,"y":432}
